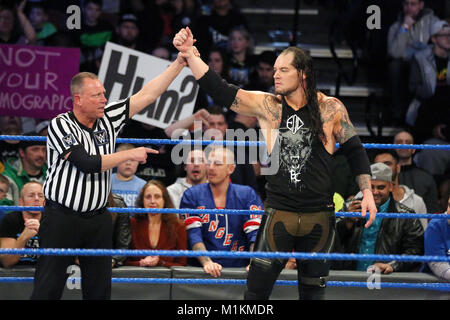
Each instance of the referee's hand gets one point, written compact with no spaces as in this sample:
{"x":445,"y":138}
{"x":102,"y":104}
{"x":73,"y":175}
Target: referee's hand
{"x":140,"y":154}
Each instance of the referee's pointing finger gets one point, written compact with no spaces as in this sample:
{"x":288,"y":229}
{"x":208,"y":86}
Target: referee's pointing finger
{"x":149,"y":150}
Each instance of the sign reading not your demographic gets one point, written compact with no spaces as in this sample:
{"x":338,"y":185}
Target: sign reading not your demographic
{"x":35,"y":80}
{"x":124,"y":72}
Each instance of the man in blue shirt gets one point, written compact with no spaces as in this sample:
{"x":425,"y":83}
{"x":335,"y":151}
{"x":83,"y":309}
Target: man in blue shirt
{"x":437,"y":243}
{"x":221,"y":232}
{"x":384,"y":236}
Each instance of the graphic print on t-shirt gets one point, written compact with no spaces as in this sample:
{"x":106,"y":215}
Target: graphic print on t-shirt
{"x":295,"y":150}
{"x":32,"y":243}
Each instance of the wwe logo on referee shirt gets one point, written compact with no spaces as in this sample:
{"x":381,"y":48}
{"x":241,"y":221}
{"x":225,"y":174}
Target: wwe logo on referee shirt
{"x":101,"y":137}
{"x":74,"y":280}
{"x":69,"y":140}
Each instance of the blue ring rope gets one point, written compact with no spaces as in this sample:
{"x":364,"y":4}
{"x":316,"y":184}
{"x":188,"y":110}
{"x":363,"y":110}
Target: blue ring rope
{"x":224,"y":254}
{"x":241,"y":212}
{"x":238,"y":143}
{"x":405,"y":285}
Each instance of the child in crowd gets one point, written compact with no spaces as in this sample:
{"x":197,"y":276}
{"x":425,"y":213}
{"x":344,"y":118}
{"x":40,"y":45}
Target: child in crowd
{"x":125,"y":183}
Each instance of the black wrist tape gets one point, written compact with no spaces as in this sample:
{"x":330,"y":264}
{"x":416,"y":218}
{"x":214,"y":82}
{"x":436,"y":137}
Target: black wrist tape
{"x":84,"y":162}
{"x":222,"y":92}
{"x":356,"y":156}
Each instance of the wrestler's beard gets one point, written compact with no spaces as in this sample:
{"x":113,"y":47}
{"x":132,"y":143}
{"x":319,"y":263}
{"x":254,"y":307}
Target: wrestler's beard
{"x":286,"y":92}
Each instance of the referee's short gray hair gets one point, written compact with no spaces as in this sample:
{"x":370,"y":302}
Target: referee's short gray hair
{"x":76,"y":84}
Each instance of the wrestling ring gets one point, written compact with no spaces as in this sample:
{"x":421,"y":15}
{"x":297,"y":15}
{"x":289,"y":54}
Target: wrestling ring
{"x":191,"y":283}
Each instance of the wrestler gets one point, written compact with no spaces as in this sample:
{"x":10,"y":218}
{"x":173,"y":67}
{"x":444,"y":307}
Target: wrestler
{"x":302,"y":127}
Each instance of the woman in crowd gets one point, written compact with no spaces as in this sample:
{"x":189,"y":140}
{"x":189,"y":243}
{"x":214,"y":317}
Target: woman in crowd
{"x":156,"y":231}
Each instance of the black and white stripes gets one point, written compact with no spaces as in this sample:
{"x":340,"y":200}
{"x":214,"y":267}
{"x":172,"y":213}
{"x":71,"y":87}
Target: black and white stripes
{"x":65,"y":183}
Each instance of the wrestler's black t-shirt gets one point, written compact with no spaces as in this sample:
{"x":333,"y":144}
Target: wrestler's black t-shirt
{"x":303,"y":181}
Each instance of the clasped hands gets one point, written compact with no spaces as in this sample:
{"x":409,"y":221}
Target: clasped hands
{"x":184,"y":42}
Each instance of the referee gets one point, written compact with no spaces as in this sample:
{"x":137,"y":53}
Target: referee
{"x":80,"y":148}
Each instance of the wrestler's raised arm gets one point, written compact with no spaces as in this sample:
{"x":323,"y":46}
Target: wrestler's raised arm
{"x":250,"y":103}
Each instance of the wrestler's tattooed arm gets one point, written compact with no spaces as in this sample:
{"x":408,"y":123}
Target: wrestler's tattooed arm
{"x":235,"y":104}
{"x":257,"y":104}
{"x":272,"y":108}
{"x":344,"y":130}
{"x":363,"y":181}
{"x":333,"y":110}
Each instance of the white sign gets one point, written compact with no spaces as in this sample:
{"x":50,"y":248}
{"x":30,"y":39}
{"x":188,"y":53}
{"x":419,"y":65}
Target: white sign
{"x":125,"y":71}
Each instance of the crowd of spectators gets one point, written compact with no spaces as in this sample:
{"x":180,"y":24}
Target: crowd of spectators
{"x":418,"y":45}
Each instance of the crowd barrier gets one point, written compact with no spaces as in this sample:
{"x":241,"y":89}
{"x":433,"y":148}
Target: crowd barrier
{"x":134,"y":288}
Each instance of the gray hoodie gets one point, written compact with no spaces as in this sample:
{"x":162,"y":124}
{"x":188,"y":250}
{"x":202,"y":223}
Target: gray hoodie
{"x":176,"y":191}
{"x":404,"y":44}
{"x":423,"y":77}
{"x":415,"y":202}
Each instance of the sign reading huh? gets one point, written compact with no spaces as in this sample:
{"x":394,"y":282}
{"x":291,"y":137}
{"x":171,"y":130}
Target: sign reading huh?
{"x":124,"y":72}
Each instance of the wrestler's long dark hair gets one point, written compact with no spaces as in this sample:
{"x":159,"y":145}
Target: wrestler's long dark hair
{"x":303,"y":62}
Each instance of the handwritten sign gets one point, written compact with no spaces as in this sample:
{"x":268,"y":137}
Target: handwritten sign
{"x":124,"y":72}
{"x":35,"y":80}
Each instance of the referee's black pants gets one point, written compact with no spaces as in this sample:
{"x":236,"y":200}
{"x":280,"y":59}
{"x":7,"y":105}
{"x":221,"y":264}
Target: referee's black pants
{"x":64,"y":228}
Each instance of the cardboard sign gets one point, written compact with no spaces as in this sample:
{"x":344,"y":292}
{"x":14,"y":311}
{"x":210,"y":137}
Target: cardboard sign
{"x":35,"y":80}
{"x":124,"y":72}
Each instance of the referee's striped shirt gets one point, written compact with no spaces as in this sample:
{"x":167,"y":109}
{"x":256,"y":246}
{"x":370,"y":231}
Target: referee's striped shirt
{"x":65,"y":183}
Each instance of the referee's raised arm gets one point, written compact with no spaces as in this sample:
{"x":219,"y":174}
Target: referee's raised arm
{"x":155,"y":87}
{"x":81,"y":153}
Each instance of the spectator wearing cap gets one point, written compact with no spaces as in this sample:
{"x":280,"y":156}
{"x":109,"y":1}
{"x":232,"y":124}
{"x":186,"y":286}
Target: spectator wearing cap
{"x":30,"y":166}
{"x":430,"y":83}
{"x":128,"y":33}
{"x":385,"y":235}
{"x":401,"y":192}
{"x":42,"y":128}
